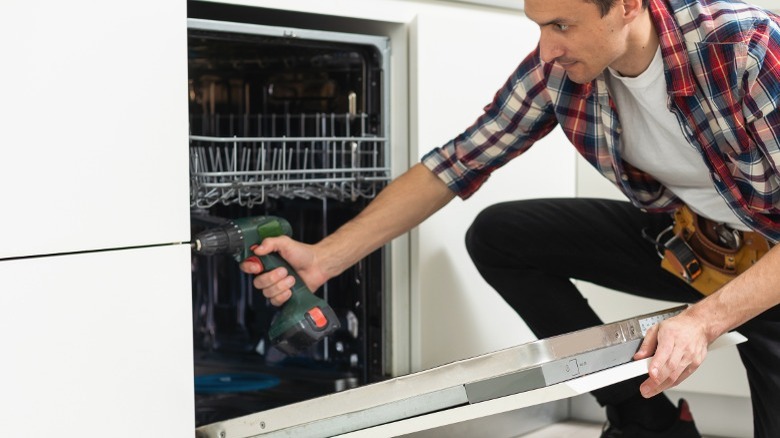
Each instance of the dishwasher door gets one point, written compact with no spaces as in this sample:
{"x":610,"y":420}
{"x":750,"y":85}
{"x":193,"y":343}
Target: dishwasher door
{"x":532,"y":373}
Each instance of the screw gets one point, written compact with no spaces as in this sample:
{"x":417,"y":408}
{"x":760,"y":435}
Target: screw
{"x":222,"y":434}
{"x":262,"y":425}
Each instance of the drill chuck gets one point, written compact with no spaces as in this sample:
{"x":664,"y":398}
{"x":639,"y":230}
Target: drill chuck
{"x":228,"y":239}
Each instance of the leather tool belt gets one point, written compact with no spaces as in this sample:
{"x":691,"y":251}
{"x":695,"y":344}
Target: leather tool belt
{"x":707,"y":254}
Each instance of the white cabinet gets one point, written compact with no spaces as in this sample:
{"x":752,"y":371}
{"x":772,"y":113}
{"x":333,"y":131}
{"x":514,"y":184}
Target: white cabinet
{"x":94,"y":123}
{"x":97,"y":345}
{"x":94,"y":157}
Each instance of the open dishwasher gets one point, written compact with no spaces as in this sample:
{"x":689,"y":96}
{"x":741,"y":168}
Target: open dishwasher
{"x":290,"y":123}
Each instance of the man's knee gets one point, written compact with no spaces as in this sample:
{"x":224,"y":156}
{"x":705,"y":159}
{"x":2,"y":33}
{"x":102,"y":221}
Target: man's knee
{"x":518,"y":230}
{"x":495,"y":231}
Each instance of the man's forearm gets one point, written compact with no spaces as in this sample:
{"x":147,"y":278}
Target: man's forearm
{"x":402,"y":205}
{"x":745,"y":297}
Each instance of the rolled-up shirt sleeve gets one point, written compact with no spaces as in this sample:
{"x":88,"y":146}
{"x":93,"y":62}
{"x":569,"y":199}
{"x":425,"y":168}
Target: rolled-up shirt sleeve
{"x":520,"y":114}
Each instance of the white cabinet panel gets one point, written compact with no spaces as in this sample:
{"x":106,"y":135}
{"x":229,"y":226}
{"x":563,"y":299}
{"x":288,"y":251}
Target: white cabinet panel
{"x":94,"y":123}
{"x":460,"y":58}
{"x":97,"y":345}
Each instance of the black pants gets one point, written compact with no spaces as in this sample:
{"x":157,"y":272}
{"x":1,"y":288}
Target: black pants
{"x":530,"y":250}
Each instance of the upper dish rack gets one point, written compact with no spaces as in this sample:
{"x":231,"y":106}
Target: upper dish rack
{"x":332,"y":163}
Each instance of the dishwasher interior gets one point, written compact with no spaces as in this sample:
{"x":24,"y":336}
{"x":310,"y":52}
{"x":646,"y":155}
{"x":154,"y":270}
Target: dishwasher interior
{"x":289,"y":123}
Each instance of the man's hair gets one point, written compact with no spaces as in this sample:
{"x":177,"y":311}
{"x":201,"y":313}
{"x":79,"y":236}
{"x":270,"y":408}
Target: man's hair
{"x":605,"y":5}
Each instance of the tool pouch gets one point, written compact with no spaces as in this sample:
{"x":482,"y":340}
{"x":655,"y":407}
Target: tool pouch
{"x":706,"y":254}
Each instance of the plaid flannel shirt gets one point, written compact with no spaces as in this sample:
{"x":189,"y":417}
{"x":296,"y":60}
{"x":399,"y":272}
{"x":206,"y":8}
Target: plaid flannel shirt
{"x":722,"y":68}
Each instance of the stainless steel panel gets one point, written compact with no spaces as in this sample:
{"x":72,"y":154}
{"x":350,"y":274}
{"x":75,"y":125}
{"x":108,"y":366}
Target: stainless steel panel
{"x":513,"y":370}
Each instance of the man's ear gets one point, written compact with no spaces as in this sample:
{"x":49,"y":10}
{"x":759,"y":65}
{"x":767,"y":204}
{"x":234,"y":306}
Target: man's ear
{"x":631,"y":9}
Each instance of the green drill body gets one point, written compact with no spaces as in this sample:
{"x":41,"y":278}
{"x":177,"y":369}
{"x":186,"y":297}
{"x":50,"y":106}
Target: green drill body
{"x":304,"y":319}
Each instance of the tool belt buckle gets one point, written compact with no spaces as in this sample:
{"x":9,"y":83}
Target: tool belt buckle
{"x":728,"y":237}
{"x":680,"y":255}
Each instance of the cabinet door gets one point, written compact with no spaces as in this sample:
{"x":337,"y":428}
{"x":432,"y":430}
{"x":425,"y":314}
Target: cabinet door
{"x":459,"y":59}
{"x":97,"y":345}
{"x":94,"y":123}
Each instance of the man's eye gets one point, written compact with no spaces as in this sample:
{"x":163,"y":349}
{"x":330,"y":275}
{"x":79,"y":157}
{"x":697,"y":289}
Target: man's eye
{"x":562,"y":27}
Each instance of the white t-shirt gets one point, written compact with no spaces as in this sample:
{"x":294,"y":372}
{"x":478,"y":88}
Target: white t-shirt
{"x":653,"y":142}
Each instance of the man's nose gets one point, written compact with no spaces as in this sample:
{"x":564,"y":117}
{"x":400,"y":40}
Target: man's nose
{"x":549,"y":49}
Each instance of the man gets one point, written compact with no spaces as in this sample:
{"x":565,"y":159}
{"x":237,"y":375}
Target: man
{"x":675,"y":101}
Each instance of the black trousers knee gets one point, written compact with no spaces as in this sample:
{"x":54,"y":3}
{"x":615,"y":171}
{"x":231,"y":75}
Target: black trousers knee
{"x":529,"y":251}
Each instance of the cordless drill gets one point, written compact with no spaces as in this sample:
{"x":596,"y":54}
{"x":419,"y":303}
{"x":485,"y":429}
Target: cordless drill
{"x":305,"y":318}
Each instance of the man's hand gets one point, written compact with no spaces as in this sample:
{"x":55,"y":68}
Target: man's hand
{"x":398,"y":208}
{"x":680,"y":343}
{"x":680,"y":346}
{"x":276,"y":284}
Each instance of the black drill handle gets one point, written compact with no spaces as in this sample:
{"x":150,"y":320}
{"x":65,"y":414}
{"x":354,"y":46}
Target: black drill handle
{"x":272,"y":261}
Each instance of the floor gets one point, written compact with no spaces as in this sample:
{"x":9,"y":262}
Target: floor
{"x":570,"y":429}
{"x":567,"y":429}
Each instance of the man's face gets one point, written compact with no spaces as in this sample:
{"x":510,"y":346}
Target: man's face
{"x":577,"y":37}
